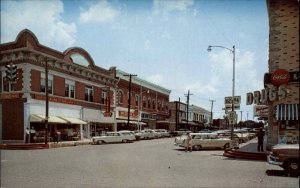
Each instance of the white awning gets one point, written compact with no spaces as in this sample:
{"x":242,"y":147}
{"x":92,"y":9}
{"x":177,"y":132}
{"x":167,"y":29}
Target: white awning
{"x":74,"y":120}
{"x":41,"y":118}
{"x":287,"y":112}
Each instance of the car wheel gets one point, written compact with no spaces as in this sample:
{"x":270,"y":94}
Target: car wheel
{"x":226,"y":146}
{"x":99,"y":142}
{"x":196,"y":147}
{"x":124,"y":141}
{"x":292,"y":168}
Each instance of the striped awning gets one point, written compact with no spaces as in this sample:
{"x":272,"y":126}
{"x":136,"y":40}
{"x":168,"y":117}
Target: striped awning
{"x":287,"y":112}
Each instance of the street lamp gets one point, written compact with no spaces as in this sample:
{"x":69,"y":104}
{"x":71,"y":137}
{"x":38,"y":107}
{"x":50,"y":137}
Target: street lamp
{"x":233,"y":79}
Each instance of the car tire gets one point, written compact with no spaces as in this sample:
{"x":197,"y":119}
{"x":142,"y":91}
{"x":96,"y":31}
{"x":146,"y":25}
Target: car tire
{"x":99,"y":142}
{"x":196,"y":147}
{"x":292,"y":168}
{"x":226,"y":146}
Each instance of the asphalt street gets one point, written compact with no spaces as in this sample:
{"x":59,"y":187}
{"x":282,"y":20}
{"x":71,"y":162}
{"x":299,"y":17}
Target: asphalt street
{"x":148,"y":163}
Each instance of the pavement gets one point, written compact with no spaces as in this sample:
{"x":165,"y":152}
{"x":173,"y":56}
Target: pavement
{"x":248,"y":151}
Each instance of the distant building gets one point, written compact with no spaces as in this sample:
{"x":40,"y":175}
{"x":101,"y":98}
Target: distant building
{"x":197,"y":117}
{"x":149,"y":104}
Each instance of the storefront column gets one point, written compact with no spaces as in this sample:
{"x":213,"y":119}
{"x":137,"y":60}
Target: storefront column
{"x":81,"y":132}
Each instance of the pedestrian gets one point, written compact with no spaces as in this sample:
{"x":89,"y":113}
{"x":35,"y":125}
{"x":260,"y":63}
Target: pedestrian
{"x":188,"y":143}
{"x":27,"y":132}
{"x":260,"y":137}
{"x":32,"y":135}
{"x":57,"y":136}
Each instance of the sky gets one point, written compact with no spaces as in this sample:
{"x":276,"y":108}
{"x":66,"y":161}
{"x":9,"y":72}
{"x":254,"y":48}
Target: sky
{"x":162,"y":41}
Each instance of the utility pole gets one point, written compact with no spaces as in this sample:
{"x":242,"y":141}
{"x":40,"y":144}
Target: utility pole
{"x":241,"y":119}
{"x":211,"y":114}
{"x":187,"y":108}
{"x":129,"y":97}
{"x":47,"y":102}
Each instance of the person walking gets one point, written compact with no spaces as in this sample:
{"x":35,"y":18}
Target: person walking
{"x":188,"y":143}
{"x":260,"y":137}
{"x":27,"y":138}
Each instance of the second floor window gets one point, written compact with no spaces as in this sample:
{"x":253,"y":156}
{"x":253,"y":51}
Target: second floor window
{"x":69,"y":89}
{"x":50,"y":83}
{"x":89,"y":93}
{"x":103,"y":97}
{"x":137,"y":100}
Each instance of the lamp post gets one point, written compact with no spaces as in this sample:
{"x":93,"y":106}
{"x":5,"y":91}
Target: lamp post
{"x":233,"y":79}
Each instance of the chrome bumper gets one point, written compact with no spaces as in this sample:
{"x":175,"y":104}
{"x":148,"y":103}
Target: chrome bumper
{"x":273,"y":160}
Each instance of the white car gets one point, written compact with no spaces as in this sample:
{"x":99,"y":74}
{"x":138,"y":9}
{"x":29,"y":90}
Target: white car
{"x":163,"y":132}
{"x":205,"y":140}
{"x":146,"y":134}
{"x":114,"y":137}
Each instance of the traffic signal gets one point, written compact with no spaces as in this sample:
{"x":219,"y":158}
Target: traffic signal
{"x":11,"y":72}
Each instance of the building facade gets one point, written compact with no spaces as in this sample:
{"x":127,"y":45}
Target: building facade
{"x":197,"y":117}
{"x":149,"y":104}
{"x":282,"y":80}
{"x":77,"y":92}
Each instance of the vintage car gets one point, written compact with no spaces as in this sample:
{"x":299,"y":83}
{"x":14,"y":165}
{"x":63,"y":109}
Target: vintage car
{"x":285,"y":156}
{"x":114,"y":137}
{"x":205,"y":140}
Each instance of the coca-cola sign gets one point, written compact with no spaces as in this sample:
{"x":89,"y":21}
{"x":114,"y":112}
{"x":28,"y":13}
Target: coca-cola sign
{"x":280,"y":76}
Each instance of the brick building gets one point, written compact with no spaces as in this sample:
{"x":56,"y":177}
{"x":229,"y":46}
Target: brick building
{"x":77,"y":89}
{"x":148,"y":104}
{"x":84,"y":99}
{"x":283,"y":76}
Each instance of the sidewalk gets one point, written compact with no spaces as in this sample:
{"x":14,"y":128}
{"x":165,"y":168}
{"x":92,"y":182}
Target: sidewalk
{"x":248,"y":151}
{"x":23,"y":146}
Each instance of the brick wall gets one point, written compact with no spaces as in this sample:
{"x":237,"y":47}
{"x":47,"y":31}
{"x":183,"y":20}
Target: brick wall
{"x":59,"y":86}
{"x":35,"y":80}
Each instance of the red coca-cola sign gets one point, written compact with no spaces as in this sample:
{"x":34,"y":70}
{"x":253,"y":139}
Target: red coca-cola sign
{"x":280,"y":77}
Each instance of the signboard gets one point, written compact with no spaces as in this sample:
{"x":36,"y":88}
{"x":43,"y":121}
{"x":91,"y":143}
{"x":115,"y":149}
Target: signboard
{"x":232,"y":115}
{"x":236,"y":107}
{"x":269,"y":78}
{"x":228,"y":101}
{"x":260,"y":111}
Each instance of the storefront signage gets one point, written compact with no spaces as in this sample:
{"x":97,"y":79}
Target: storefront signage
{"x":53,"y":99}
{"x":272,"y":93}
{"x":10,"y":95}
{"x":280,"y":76}
{"x":107,"y":114}
{"x":261,"y":111}
{"x":125,"y":114}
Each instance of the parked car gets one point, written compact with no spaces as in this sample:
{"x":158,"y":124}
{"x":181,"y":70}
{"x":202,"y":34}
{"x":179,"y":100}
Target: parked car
{"x":163,"y":132}
{"x":114,"y":137}
{"x":146,"y":134}
{"x":206,"y":140}
{"x":180,"y":132}
{"x":286,"y":156}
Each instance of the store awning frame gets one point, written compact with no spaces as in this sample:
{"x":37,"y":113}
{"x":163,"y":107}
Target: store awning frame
{"x":287,"y":112}
{"x":38,"y":118}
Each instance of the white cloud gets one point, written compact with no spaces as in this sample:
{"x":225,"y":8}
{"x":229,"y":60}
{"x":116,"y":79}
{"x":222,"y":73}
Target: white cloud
{"x":100,"y":13}
{"x":42,"y":18}
{"x":164,"y":8}
{"x":156,"y":79}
